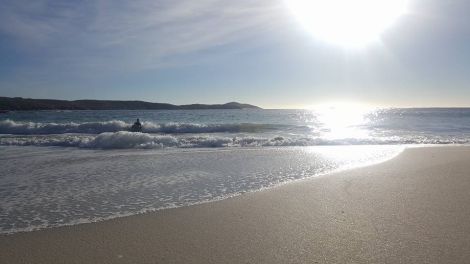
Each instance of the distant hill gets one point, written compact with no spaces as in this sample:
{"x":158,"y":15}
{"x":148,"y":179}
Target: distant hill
{"x":25,"y":104}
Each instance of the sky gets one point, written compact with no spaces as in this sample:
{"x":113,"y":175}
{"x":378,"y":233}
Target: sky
{"x":214,"y":51}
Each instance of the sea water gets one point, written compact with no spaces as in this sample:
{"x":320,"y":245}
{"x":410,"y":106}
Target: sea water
{"x":68,"y":167}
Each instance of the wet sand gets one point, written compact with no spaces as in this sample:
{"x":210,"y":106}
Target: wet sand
{"x":414,"y":208}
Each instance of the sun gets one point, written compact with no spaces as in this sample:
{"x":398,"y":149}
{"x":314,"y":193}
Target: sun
{"x":347,"y":23}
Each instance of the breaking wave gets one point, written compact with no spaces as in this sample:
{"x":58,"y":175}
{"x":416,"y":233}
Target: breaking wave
{"x":131,"y":140}
{"x":32,"y":128}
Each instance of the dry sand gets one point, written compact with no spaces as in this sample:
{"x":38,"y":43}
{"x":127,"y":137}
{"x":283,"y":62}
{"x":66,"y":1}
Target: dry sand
{"x":412,"y":209}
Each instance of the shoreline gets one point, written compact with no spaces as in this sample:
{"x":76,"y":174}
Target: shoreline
{"x":363,"y":164}
{"x":410,"y":209}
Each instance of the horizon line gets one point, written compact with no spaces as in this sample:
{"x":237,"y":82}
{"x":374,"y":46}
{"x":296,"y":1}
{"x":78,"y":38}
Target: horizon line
{"x":332,"y":104}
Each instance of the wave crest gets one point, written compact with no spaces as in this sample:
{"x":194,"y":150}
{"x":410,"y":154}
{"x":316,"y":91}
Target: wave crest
{"x":130,"y":140}
{"x":32,"y":128}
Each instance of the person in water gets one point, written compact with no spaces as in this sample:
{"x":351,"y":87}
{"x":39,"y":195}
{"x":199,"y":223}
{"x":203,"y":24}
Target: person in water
{"x":137,"y":126}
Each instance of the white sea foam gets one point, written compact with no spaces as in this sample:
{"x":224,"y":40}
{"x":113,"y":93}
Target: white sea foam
{"x":38,"y":128}
{"x":186,"y":157}
{"x":50,"y":187}
{"x":132,"y":140}
{"x":27,"y":128}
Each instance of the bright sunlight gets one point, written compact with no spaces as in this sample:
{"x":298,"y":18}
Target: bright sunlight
{"x":347,"y":23}
{"x":342,"y":120}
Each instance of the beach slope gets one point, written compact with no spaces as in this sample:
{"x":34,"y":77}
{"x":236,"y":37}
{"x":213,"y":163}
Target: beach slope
{"x":414,"y":208}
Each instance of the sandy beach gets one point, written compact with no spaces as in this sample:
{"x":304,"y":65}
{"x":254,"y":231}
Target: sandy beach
{"x":414,"y":208}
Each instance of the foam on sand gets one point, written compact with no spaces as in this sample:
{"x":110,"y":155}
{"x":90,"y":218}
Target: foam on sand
{"x":47,"y":187}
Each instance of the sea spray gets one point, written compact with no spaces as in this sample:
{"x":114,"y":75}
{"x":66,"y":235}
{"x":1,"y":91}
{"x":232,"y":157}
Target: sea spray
{"x":40,"y":128}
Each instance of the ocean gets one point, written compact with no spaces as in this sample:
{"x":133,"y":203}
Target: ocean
{"x":68,"y":167}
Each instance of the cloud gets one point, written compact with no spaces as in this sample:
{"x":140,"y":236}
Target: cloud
{"x":133,"y":34}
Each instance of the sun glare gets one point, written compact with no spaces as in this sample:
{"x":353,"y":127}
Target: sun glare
{"x":342,"y":120}
{"x":348,"y":23}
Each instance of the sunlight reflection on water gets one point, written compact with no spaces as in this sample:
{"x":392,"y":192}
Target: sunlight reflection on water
{"x":339,"y":122}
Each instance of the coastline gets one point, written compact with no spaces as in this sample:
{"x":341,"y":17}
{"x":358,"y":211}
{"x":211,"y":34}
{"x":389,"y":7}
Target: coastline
{"x":410,"y":209}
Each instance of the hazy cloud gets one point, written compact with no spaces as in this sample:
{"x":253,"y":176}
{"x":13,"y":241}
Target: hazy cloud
{"x":138,"y":33}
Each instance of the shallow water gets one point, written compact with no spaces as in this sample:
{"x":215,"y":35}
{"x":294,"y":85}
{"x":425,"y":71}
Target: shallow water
{"x":67,"y":167}
{"x":49,"y":186}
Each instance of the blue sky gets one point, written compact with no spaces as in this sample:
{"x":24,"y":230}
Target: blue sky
{"x":212,"y":51}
